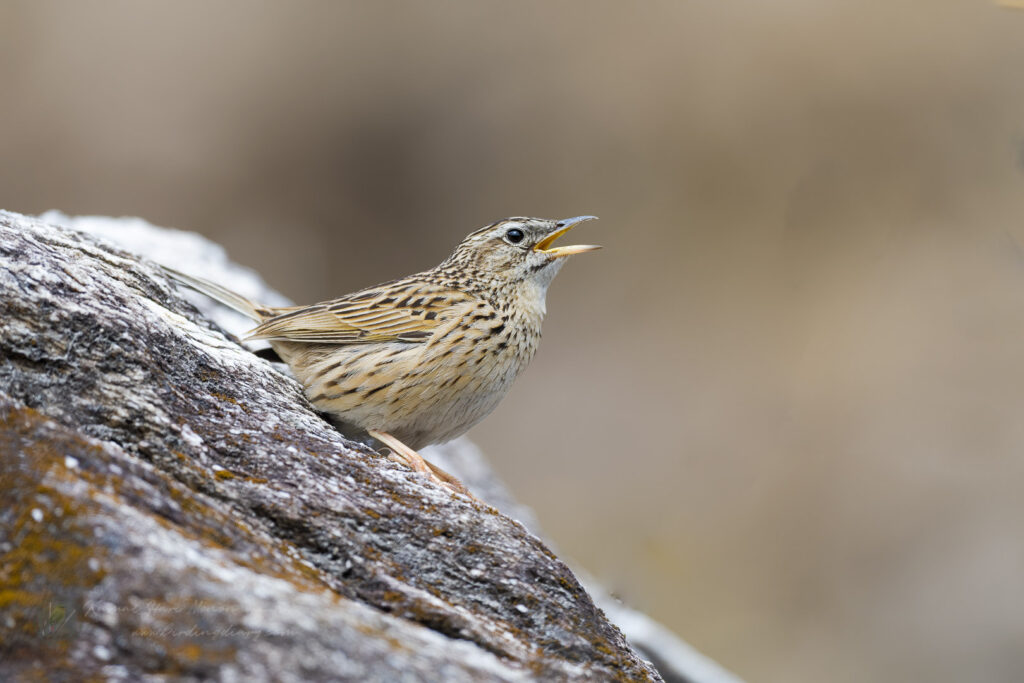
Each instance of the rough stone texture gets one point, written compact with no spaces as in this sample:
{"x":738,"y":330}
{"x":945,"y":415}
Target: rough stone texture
{"x":174,"y":507}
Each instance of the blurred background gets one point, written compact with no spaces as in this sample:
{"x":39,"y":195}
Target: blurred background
{"x":781,"y":411}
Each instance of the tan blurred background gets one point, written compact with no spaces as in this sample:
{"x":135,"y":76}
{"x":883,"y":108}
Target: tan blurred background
{"x":781,"y":411}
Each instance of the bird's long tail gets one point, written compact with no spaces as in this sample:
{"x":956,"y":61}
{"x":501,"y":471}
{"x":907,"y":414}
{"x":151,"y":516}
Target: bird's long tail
{"x":218,"y":293}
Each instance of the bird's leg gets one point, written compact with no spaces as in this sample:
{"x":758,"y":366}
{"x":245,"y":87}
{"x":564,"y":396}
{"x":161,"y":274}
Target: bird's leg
{"x":407,"y":456}
{"x":400,"y":452}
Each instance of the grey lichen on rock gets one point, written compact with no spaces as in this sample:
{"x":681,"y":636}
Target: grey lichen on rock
{"x":174,"y":506}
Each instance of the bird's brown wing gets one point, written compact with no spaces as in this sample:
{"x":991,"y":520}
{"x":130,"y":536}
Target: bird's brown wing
{"x":407,"y":311}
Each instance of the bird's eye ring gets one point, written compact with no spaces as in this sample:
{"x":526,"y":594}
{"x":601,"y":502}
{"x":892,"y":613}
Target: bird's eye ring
{"x":515,"y":236}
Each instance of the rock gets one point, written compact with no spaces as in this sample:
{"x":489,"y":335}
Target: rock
{"x":175,"y":507}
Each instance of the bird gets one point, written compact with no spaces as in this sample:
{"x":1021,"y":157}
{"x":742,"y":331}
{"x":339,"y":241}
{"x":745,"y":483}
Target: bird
{"x":419,"y":360}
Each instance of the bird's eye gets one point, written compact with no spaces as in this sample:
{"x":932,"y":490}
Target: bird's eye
{"x":515,"y":236}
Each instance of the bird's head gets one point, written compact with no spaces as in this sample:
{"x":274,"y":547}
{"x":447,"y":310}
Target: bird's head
{"x":519,"y":249}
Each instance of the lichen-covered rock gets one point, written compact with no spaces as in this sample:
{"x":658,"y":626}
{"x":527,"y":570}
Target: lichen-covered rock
{"x":174,"y":507}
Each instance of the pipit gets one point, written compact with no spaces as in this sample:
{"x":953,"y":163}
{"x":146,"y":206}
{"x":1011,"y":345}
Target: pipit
{"x":420,"y":360}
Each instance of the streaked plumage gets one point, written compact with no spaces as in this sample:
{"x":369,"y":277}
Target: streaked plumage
{"x":426,"y":357}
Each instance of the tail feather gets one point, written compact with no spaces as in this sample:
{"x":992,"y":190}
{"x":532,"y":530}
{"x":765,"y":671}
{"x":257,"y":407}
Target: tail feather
{"x":218,"y":293}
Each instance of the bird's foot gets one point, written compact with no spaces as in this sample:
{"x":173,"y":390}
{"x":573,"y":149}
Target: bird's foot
{"x":410,"y":458}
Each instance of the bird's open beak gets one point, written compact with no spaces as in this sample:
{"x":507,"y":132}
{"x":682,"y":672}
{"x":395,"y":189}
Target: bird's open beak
{"x":563,"y":227}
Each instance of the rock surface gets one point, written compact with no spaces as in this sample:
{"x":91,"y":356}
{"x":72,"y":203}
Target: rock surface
{"x":176,"y":508}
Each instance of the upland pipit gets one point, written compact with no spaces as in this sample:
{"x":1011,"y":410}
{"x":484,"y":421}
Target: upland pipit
{"x":420,"y":360}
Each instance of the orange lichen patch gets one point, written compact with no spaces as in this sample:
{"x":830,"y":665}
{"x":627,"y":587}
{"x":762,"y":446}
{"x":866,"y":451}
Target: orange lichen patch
{"x":383,"y":634}
{"x":192,"y":652}
{"x":52,"y":558}
{"x":56,"y":551}
{"x":208,"y":375}
{"x":52,"y":544}
{"x":55,"y":558}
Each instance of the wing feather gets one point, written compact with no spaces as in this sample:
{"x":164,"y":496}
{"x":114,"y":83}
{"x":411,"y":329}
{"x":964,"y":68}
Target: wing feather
{"x":408,"y":311}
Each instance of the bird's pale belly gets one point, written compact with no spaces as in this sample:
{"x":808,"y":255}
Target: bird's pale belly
{"x":419,"y":393}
